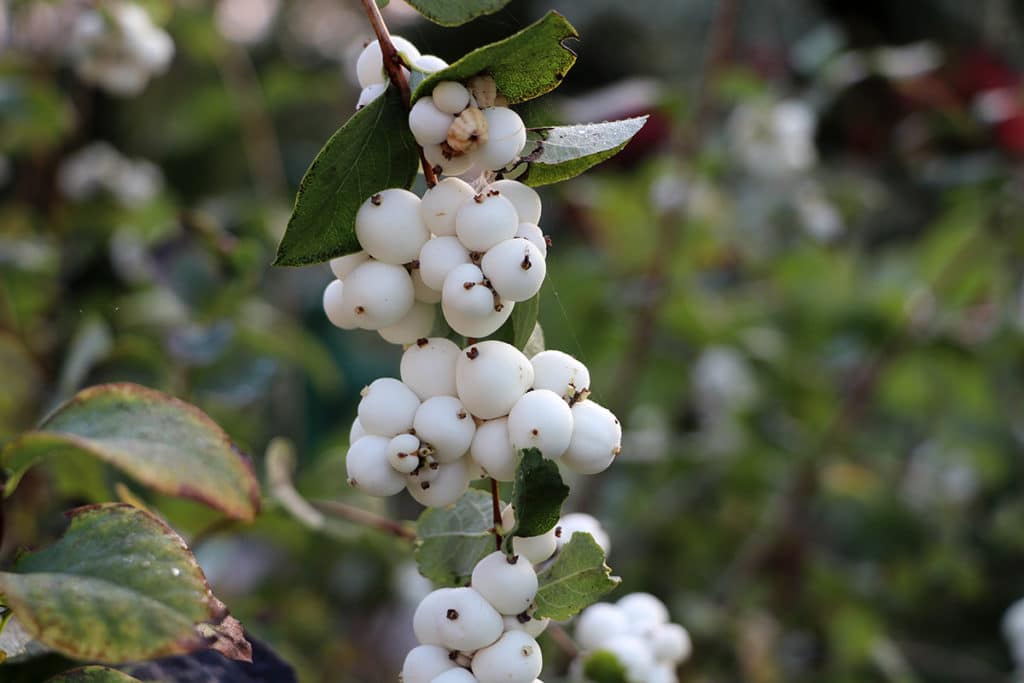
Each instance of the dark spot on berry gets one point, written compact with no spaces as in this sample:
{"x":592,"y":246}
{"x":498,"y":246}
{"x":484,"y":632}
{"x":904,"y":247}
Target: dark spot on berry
{"x":472,"y":353}
{"x":534,"y":432}
{"x":558,"y":532}
{"x":425,"y":485}
{"x":360,"y":310}
{"x":434,"y":465}
{"x":513,"y":560}
{"x":479,"y":199}
{"x":453,"y":655}
{"x":376,"y":199}
{"x":493,"y":193}
{"x":526,"y":264}
{"x":461,"y":414}
{"x":468,"y":285}
{"x":421,"y":342}
{"x":452,"y":615}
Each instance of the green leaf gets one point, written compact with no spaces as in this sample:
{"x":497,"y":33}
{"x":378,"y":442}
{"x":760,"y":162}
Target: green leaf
{"x":120,"y":585}
{"x":564,"y":152}
{"x":373,"y":151}
{"x":166,"y":444}
{"x":537,"y":495}
{"x":520,"y":326}
{"x":456,"y":12}
{"x":452,"y":540}
{"x":93,"y":674}
{"x":604,"y":667}
{"x":524,"y":66}
{"x":576,"y":579}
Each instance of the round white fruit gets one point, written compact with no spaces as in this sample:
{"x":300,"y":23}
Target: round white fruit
{"x":492,"y":450}
{"x":506,"y":136}
{"x":670,"y":643}
{"x":490,"y":377}
{"x":509,"y":584}
{"x":429,"y":125}
{"x":559,"y":372}
{"x":440,"y":256}
{"x":441,"y":202}
{"x":532,"y":233}
{"x":429,"y":63}
{"x":370,"y":66}
{"x":428,"y":367}
{"x":388,"y":407}
{"x":389,"y":227}
{"x":524,"y":622}
{"x":580,"y":521}
{"x":515,"y":658}
{"x":379,"y":294}
{"x":416,"y":324}
{"x":523,"y":197}
{"x":402,"y":453}
{"x":343,"y":265}
{"x":536,"y":548}
{"x":421,"y":292}
{"x":455,"y":675}
{"x":451,"y":97}
{"x":444,"y":423}
{"x":458,"y":619}
{"x":368,"y":468}
{"x":356,"y":432}
{"x":464,"y":292}
{"x":643,"y":610}
{"x":633,"y":654}
{"x":599,"y":623}
{"x":424,"y":663}
{"x":541,"y":420}
{"x":370,"y":93}
{"x":476,"y":326}
{"x":405,"y":48}
{"x":596,"y":439}
{"x":337,"y":312}
{"x":447,"y":483}
{"x":515,"y":268}
{"x":449,"y":164}
{"x":486,"y":220}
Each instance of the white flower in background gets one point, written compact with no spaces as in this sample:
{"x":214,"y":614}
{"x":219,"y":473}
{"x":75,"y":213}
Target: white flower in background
{"x":245,"y":21}
{"x":773,"y":139}
{"x":99,"y":167}
{"x":120,"y":49}
{"x":723,"y":381}
{"x":907,"y":61}
{"x":820,"y":218}
{"x":939,"y":476}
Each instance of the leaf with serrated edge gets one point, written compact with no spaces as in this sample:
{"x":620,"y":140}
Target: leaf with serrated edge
{"x":564,"y":152}
{"x":164,"y":443}
{"x":537,"y":495}
{"x":451,"y":540}
{"x":119,"y":585}
{"x":576,"y":579}
{"x":456,"y":12}
{"x":93,"y":674}
{"x":524,"y":66}
{"x":373,"y":151}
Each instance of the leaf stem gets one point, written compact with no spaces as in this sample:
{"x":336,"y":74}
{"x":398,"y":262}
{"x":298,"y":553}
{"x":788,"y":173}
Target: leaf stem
{"x":496,"y":509}
{"x":393,"y":64}
{"x":335,"y":508}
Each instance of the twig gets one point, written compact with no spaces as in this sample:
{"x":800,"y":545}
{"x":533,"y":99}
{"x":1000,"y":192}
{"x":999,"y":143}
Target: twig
{"x":562,"y":639}
{"x":336,"y":508}
{"x":393,"y":65}
{"x":496,"y":510}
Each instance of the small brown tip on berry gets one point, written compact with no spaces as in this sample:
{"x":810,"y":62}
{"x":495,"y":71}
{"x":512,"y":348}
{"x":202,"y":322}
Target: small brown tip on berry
{"x":472,"y":353}
{"x":453,"y":655}
{"x":547,"y":240}
{"x":468,"y":285}
{"x":479,"y":198}
{"x":462,"y":414}
{"x":523,"y":617}
{"x":534,"y":431}
{"x":499,"y":307}
{"x":352,"y":482}
{"x":422,"y":341}
{"x":360,"y":310}
{"x":434,"y":465}
{"x":438,"y":170}
{"x":526,"y":263}
{"x":476,"y":256}
{"x":527,"y":650}
{"x":404,"y":455}
{"x":452,"y":614}
{"x":376,"y":199}
{"x":414,"y":264}
{"x":425,"y":485}
{"x":493,"y":193}
{"x":513,"y":560}
{"x":617,"y":450}
{"x":558,"y":532}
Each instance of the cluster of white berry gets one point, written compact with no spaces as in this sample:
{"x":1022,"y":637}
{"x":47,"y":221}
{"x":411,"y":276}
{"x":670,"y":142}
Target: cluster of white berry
{"x":99,"y":167}
{"x":119,"y":48}
{"x":485,"y":632}
{"x":456,"y":414}
{"x":476,"y":254}
{"x":636,"y":630}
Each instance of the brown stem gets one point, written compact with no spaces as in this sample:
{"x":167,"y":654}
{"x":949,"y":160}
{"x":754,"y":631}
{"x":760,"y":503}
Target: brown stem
{"x":562,"y":639}
{"x":393,"y":65}
{"x":362,"y":517}
{"x":496,"y":510}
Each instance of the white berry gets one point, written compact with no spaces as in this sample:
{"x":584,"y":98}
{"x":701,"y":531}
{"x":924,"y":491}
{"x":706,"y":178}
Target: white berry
{"x":515,"y":658}
{"x":356,"y":432}
{"x":536,"y":237}
{"x":402,"y":453}
{"x":516,"y":269}
{"x":379,"y":294}
{"x":343,"y":265}
{"x":429,"y":125}
{"x":671,"y":643}
{"x":370,"y":66}
{"x":440,"y":256}
{"x":526,"y":623}
{"x":492,"y":450}
{"x":477,"y":325}
{"x":536,"y":548}
{"x":368,"y":468}
{"x":337,"y":312}
{"x":490,"y":377}
{"x":560,"y":372}
{"x":444,"y":423}
{"x":523,"y":197}
{"x":456,"y":675}
{"x":541,"y":420}
{"x":416,"y":324}
{"x":424,"y":663}
{"x":450,"y":164}
{"x":506,"y":136}
{"x":421,"y":291}
{"x":643,"y":610}
{"x":441,"y":202}
{"x":464,"y":291}
{"x":485,"y":221}
{"x":449,"y":481}
{"x":596,"y":439}
{"x":599,"y":623}
{"x":451,"y":97}
{"x":429,"y":63}
{"x":428,"y":367}
{"x":389,"y":227}
{"x":388,"y":407}
{"x":633,"y":654}
{"x":509,"y":584}
{"x":457,"y":618}
{"x":370,"y":93}
{"x":582,"y":522}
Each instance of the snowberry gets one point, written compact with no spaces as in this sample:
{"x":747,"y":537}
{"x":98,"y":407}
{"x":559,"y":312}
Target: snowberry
{"x":426,"y":662}
{"x":455,"y":675}
{"x":485,"y":221}
{"x":490,"y":377}
{"x":670,"y":643}
{"x":523,"y":197}
{"x":441,"y":202}
{"x":492,"y":450}
{"x":560,"y":372}
{"x":334,"y":306}
{"x":508,"y":583}
{"x":643,"y":610}
{"x":421,"y":291}
{"x":416,"y":324}
{"x":457,"y":618}
{"x":529,"y":231}
{"x":515,"y":658}
{"x":449,"y":163}
{"x":536,"y":548}
{"x":475,"y":326}
{"x":599,"y":623}
{"x":429,"y":125}
{"x":448,"y":482}
{"x":633,"y":654}
{"x":428,"y":367}
{"x":451,"y":97}
{"x":580,"y":521}
{"x":542,"y":420}
{"x":515,"y":268}
{"x":445,"y":424}
{"x":429,"y":63}
{"x":464,"y":291}
{"x":524,"y":622}
{"x":440,"y":256}
{"x":379,"y":294}
{"x":356,"y":432}
{"x":387,"y":407}
{"x":370,"y":64}
{"x":343,"y":265}
{"x":596,"y":439}
{"x":389,"y":227}
{"x":368,"y":468}
{"x":662,"y":673}
{"x":402,"y":453}
{"x":506,"y":136}
{"x":370,"y":93}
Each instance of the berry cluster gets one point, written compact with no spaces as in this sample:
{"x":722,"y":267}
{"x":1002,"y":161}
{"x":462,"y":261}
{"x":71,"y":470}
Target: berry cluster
{"x":485,"y":632}
{"x":456,"y":414}
{"x":637,"y":632}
